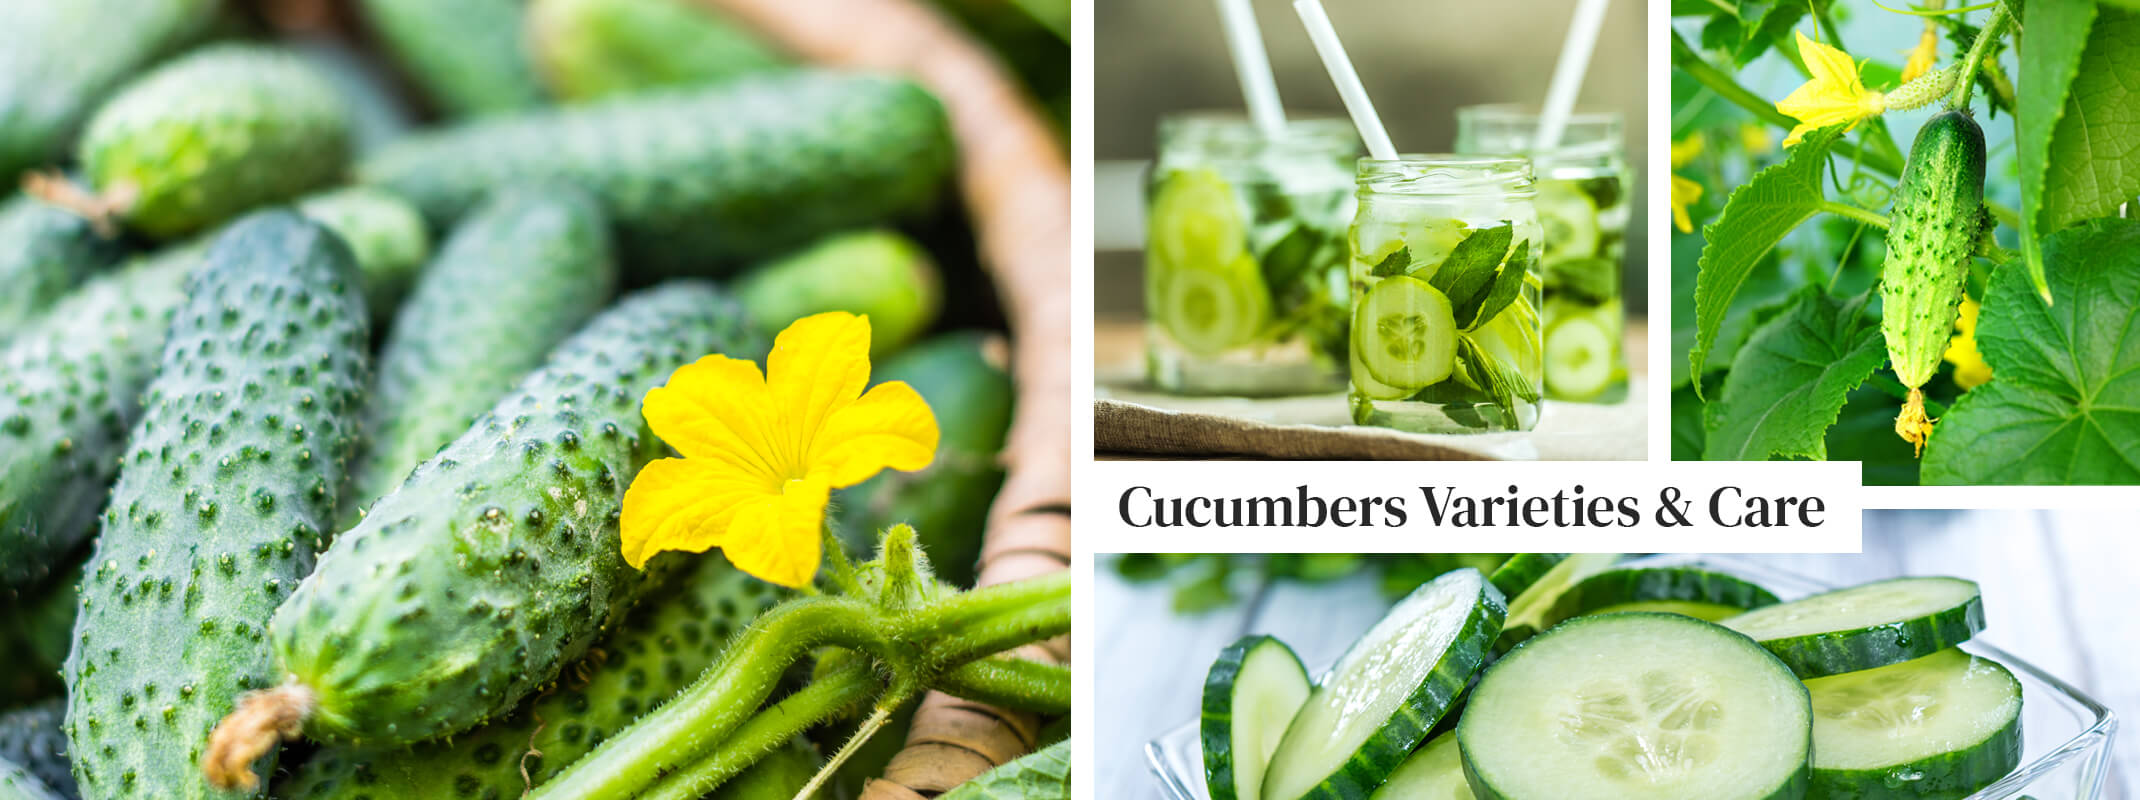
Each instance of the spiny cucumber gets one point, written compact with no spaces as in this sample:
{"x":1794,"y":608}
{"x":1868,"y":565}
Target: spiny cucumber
{"x":466,"y":54}
{"x":69,"y":394}
{"x":671,"y":638}
{"x":32,"y":737}
{"x":44,"y":253}
{"x":1931,"y":236}
{"x":16,"y":783}
{"x":58,"y":59}
{"x":385,"y":234}
{"x":213,"y":133}
{"x":515,"y":278}
{"x":227,"y":489}
{"x":879,"y":274}
{"x":498,"y":561}
{"x":594,"y":48}
{"x":698,"y":180}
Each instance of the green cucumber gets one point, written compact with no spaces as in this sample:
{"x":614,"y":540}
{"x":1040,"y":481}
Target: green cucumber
{"x":16,"y":783}
{"x":1866,"y":626}
{"x":59,"y":59}
{"x":1522,"y":570}
{"x":1434,"y":772}
{"x":385,"y":234}
{"x":1580,"y":348}
{"x":1250,"y":695}
{"x":467,"y":55}
{"x":1531,"y":610}
{"x":213,"y":133}
{"x":44,"y":253}
{"x":665,"y":643}
{"x":947,"y":502}
{"x":1636,"y":707}
{"x":377,"y":112}
{"x":228,"y":485}
{"x":504,"y":546}
{"x":1405,"y":334}
{"x":1569,"y":219}
{"x":588,"y":49}
{"x":35,"y":738}
{"x":1209,"y":309}
{"x":1935,"y":225}
{"x":1615,"y":589}
{"x":879,"y":274}
{"x":1388,"y":691}
{"x":1944,"y":725}
{"x":516,"y":277}
{"x":70,"y":388}
{"x":799,"y":154}
{"x":1708,"y":612}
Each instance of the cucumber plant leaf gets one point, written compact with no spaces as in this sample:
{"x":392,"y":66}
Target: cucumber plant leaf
{"x":1790,"y":380}
{"x":2050,"y":58}
{"x":2063,"y":405}
{"x":2094,"y":163}
{"x":1758,"y":215}
{"x":1507,"y":284}
{"x":1044,"y":773}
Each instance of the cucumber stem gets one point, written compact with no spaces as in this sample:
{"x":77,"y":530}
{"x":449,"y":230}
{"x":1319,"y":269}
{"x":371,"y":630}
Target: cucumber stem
{"x":827,"y":697}
{"x":1974,"y":61}
{"x":1848,"y":211}
{"x":867,"y":730}
{"x":1013,"y":683}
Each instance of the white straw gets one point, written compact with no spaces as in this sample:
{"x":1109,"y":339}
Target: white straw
{"x":1568,"y":74}
{"x":1252,"y":64}
{"x":1347,"y":80}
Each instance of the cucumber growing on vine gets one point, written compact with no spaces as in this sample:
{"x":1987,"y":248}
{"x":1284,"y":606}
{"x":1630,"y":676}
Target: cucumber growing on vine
{"x":1937,"y":220}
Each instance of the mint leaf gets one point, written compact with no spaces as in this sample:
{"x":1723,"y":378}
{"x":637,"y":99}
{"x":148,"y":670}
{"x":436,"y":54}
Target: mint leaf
{"x":1496,"y":379}
{"x":2050,"y":58}
{"x":1791,"y":379}
{"x":1470,"y":267}
{"x":1757,"y":216}
{"x":1394,"y":264}
{"x":1290,"y":257}
{"x":2063,"y":405}
{"x":2094,"y":164}
{"x":1507,"y":284}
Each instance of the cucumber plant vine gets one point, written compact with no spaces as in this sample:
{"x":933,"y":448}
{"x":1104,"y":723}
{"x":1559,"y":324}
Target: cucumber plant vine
{"x":1960,"y":312}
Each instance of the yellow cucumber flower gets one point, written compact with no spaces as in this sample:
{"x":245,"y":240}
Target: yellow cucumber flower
{"x":1835,"y":94}
{"x":1970,"y":371}
{"x":1685,"y":192}
{"x":762,"y":453}
{"x":1924,"y":55}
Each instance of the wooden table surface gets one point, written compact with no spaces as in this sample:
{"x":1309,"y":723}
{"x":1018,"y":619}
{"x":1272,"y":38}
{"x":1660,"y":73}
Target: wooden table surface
{"x":2059,"y":589}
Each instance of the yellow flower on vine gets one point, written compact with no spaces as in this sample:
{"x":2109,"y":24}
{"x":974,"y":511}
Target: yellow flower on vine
{"x":762,"y":453}
{"x":1685,"y":192}
{"x":1924,"y":56}
{"x":1835,"y":95}
{"x":1970,"y":371}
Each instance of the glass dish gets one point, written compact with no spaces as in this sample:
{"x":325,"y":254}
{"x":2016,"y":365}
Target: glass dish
{"x":2066,"y":735}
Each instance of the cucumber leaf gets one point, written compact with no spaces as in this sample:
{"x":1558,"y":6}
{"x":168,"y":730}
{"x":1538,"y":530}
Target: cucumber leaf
{"x":1043,"y":775}
{"x":1865,"y":432}
{"x":2094,"y":164}
{"x":1688,"y":434}
{"x":2063,"y":405}
{"x":1791,"y":379}
{"x":1776,"y":201}
{"x":1471,"y":266}
{"x":1507,"y":284}
{"x":2050,"y":58}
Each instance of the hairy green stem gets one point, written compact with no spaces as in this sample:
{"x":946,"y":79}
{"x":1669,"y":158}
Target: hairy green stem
{"x":1012,"y":683}
{"x":999,"y":633}
{"x":1975,"y":59}
{"x":965,"y":607}
{"x":827,"y":697}
{"x":1848,"y":211}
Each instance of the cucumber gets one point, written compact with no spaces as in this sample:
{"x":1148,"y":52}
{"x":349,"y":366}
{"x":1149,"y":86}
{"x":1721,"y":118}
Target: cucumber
{"x":1580,"y":352}
{"x":467,"y":55}
{"x":377,"y":113}
{"x":1944,"y":725}
{"x":1211,"y":309}
{"x":1871,"y":625}
{"x":44,"y":254}
{"x":1366,"y":384}
{"x":69,"y":392}
{"x":1434,"y":772}
{"x":503,"y":573}
{"x":213,"y":133}
{"x":1709,"y":612}
{"x":1405,"y":333}
{"x":1691,"y":588}
{"x":1569,"y":219}
{"x":947,"y":502}
{"x":228,"y":485}
{"x":879,"y":274}
{"x":385,"y":234}
{"x":34,"y":738}
{"x":1195,"y":221}
{"x":673,"y":636}
{"x":1388,"y":691}
{"x":1531,"y":610}
{"x":516,"y":277}
{"x":1637,"y":706}
{"x":16,"y":783}
{"x":799,"y":154}
{"x":59,"y":59}
{"x":1931,"y":239}
{"x":587,"y":49}
{"x":1250,"y":695}
{"x":1522,"y":570}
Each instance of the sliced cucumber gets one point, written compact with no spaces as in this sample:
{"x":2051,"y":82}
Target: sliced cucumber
{"x":1405,"y":333}
{"x":1195,"y":220}
{"x":1944,"y":725}
{"x":1711,"y":612}
{"x":1579,"y":355}
{"x":1366,"y":383}
{"x":1435,"y":772}
{"x":1862,"y":627}
{"x":1209,"y":310}
{"x":1388,"y":691}
{"x":1637,"y":707}
{"x":1569,"y":218}
{"x":1617,"y":588}
{"x":1250,"y":695}
{"x":1532,"y":610}
{"x":1521,"y":570}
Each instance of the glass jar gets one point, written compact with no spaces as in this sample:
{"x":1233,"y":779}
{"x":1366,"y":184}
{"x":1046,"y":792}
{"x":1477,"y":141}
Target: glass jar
{"x":1244,"y":277}
{"x":1582,"y":202}
{"x":1445,"y":294}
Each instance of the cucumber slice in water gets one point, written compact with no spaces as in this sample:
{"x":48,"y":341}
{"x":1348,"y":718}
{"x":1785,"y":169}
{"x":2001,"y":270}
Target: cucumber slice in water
{"x":1569,"y":218}
{"x":1697,"y":590}
{"x":1579,"y":362}
{"x":1435,"y":772}
{"x":1637,"y":707}
{"x":1379,"y":702}
{"x":1405,"y":333}
{"x":1944,"y":725}
{"x":1250,"y":694}
{"x":1209,"y":310}
{"x":1867,"y":626}
{"x":1366,"y":383}
{"x":1196,"y":220}
{"x":1532,"y":610}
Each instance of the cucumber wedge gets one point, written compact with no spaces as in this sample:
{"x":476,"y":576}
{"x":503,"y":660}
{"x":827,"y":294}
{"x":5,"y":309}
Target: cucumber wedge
{"x":1532,"y":609}
{"x":1388,"y":690}
{"x":1637,"y":707}
{"x":1435,"y":772}
{"x":1404,"y":333}
{"x":1670,"y":588}
{"x":1867,"y":626}
{"x":1579,"y":354}
{"x":1250,"y":695}
{"x":1211,"y":309}
{"x":1944,"y":725}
